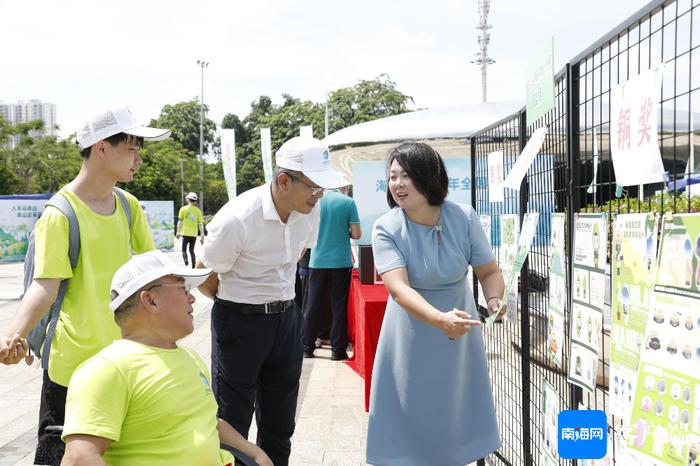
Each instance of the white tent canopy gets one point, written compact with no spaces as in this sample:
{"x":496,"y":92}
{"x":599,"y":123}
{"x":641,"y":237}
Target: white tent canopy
{"x":451,"y":122}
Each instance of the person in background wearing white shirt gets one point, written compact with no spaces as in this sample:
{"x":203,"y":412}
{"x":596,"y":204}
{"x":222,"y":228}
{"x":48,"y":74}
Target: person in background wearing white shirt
{"x":253,"y":245}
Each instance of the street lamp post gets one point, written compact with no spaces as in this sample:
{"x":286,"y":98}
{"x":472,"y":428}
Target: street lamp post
{"x":202,"y":64}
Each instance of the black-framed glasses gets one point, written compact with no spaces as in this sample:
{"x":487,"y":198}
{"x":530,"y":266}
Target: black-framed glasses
{"x":315,"y":190}
{"x":186,"y":288}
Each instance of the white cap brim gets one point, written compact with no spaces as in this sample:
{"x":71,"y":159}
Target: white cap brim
{"x":328,"y":179}
{"x":149,"y":134}
{"x":193,"y":278}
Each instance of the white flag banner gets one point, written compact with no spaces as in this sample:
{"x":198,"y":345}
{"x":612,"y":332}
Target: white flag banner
{"x":633,"y":130}
{"x":306,"y":131}
{"x":521,"y":166}
{"x":228,"y":159}
{"x":495,"y":164}
{"x":266,"y":149}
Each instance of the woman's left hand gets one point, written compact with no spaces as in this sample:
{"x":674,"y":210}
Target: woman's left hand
{"x":493,"y":306}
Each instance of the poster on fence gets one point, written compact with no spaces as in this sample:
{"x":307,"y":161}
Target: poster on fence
{"x":550,"y":413}
{"x":665,"y":414}
{"x":634,"y":143}
{"x":495,"y":176}
{"x":527,"y":234}
{"x":485,"y":221}
{"x":633,"y":272}
{"x":590,"y":249}
{"x":557,"y":288}
{"x":160,"y":215}
{"x":18,"y":214}
{"x":510,"y":229}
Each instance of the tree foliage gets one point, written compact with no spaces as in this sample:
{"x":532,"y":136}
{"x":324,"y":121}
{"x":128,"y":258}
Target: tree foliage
{"x":182,"y":119}
{"x":43,"y":164}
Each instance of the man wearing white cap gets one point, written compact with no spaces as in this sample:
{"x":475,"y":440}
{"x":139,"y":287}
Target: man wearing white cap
{"x":145,"y":400}
{"x":189,"y":223}
{"x":110,"y":144}
{"x":253,"y":245}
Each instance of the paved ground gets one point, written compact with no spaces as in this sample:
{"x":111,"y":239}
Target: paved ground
{"x":331,"y":425}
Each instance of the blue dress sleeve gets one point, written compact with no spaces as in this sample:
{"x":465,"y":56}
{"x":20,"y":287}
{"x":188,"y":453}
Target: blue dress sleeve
{"x":479,"y":247}
{"x":387,"y":255}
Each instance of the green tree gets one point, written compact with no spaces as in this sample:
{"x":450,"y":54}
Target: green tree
{"x":231,"y":121}
{"x":158,"y":177}
{"x":366,"y":101}
{"x":183,"y":120}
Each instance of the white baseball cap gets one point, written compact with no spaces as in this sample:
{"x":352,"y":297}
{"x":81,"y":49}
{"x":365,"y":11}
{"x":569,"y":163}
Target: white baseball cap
{"x":143,"y":269}
{"x":114,"y":121}
{"x":311,"y":157}
{"x":192,"y":196}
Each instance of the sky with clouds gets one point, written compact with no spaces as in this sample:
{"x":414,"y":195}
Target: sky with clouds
{"x":85,"y":55}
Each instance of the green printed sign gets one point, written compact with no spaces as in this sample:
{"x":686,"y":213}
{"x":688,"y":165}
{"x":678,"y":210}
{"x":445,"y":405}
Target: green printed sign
{"x":633,"y":270}
{"x":527,"y":234}
{"x":665,"y":418}
{"x":539,"y":84}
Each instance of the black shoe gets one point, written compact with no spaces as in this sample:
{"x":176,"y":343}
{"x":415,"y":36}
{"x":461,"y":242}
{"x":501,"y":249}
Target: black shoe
{"x":309,"y":353}
{"x":339,"y":355}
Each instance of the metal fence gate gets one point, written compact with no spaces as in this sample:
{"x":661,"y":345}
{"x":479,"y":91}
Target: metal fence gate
{"x":561,"y":180}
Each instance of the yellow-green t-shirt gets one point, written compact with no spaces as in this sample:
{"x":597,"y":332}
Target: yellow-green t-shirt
{"x":86,"y":324}
{"x":190,"y":218}
{"x":156,"y":405}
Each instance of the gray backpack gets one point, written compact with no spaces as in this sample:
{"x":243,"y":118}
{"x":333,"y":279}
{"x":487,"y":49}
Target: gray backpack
{"x":41,"y":336}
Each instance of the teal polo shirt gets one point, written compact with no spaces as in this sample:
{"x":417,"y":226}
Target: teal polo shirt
{"x":332,"y":250}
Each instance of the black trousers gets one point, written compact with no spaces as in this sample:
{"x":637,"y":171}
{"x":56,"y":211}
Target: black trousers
{"x":327,"y":288}
{"x":188,"y":242}
{"x":256,"y":364}
{"x":52,"y":412}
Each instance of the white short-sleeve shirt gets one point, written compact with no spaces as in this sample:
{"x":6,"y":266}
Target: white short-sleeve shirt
{"x":253,"y":251}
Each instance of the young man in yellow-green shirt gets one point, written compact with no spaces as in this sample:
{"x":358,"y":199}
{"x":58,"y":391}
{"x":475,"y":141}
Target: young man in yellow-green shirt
{"x":110,"y":145}
{"x":189,"y":223}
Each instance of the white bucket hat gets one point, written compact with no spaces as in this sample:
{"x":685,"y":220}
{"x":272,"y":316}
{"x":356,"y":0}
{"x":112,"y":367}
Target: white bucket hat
{"x":143,"y":269}
{"x":114,"y":121}
{"x":311,"y":157}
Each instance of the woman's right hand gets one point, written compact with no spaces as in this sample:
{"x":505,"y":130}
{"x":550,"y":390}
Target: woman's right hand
{"x":455,"y":323}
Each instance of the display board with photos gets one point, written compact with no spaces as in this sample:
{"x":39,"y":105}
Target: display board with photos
{"x":665,"y":411}
{"x":588,"y":289}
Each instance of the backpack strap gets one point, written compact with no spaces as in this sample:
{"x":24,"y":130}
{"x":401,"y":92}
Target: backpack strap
{"x":58,"y":201}
{"x":125,"y":205}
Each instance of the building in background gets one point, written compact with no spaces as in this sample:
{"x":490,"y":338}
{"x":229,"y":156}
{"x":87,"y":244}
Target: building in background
{"x":23,"y":112}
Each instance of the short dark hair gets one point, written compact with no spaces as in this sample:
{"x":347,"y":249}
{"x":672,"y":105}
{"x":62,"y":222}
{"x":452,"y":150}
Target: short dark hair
{"x":425,"y":168}
{"x":293,"y":174}
{"x":114,"y":140}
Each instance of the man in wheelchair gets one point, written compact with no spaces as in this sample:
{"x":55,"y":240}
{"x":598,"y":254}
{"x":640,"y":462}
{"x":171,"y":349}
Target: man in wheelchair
{"x":144,"y":400}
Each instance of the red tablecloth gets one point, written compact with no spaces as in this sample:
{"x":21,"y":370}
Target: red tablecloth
{"x":366,"y":306}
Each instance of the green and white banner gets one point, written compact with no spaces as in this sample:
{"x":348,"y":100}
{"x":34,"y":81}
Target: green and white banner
{"x":590,"y":253}
{"x":633,"y":272}
{"x":228,"y":159}
{"x":266,"y":151}
{"x":557,"y":288}
{"x":510,"y":230}
{"x":161,"y":215}
{"x":527,"y":234}
{"x":665,"y":414}
{"x":18,"y":214}
{"x":551,"y":406}
{"x":539,"y":82}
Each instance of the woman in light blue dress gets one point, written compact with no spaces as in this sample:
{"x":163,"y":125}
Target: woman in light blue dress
{"x":430,"y":402}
